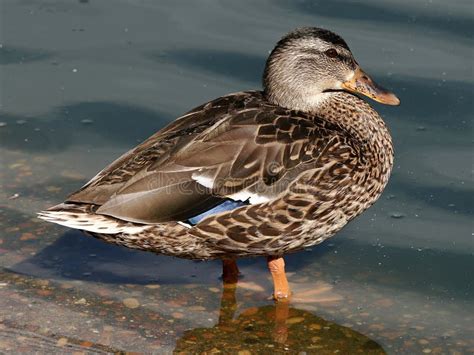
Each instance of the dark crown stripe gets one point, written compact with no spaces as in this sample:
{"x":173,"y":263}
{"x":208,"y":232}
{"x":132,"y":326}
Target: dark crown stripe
{"x":311,"y":32}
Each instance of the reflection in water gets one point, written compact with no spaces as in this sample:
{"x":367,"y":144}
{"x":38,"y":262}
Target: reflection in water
{"x":241,"y":66}
{"x":275,"y":328}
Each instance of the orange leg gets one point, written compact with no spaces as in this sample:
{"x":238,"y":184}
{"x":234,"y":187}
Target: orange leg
{"x":280,"y":283}
{"x":230,"y":275}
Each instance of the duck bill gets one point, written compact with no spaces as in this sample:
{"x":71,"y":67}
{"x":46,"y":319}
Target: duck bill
{"x":361,"y":83}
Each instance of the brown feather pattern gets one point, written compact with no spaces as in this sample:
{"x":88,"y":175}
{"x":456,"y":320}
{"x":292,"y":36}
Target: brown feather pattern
{"x":316,"y":171}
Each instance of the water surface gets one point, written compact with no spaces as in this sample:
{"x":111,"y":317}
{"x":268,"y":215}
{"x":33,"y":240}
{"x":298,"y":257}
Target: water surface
{"x":84,"y":81}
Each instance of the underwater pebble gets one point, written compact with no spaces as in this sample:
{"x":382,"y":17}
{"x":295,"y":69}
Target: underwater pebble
{"x":250,"y":311}
{"x":44,"y":293}
{"x":61,"y":342}
{"x":87,"y":121}
{"x":72,"y":175}
{"x":376,"y":327}
{"x":3,"y":124}
{"x":191,"y":286}
{"x":397,"y":215}
{"x":42,"y":282}
{"x":15,"y":165}
{"x":131,"y":302}
{"x":294,"y":320}
{"x":81,"y":301}
{"x":152,"y":287}
{"x":27,"y":236}
{"x":196,"y":308}
{"x":53,"y":189}
{"x":177,"y":315}
{"x":385,"y":302}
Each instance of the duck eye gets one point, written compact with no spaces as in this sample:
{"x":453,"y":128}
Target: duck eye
{"x":331,"y":53}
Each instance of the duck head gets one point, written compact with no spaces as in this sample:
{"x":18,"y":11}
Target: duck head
{"x":309,"y":62}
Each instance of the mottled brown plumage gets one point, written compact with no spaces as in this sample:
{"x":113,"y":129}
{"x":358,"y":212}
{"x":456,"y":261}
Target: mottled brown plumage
{"x":305,"y":153}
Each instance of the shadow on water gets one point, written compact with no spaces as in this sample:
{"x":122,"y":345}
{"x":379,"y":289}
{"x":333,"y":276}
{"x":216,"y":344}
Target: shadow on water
{"x":241,"y":66}
{"x":376,"y":12}
{"x":75,"y":256}
{"x":18,"y":55}
{"x":65,"y":126}
{"x":447,"y":198}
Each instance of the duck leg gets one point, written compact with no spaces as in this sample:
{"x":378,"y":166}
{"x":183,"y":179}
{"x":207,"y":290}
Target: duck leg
{"x":281,"y":290}
{"x":230,"y":273}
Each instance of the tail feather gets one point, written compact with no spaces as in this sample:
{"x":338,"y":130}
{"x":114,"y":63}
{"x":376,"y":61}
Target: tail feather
{"x":79,"y":217}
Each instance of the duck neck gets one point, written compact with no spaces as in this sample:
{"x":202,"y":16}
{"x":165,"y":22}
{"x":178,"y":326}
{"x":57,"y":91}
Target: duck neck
{"x":307,"y":101}
{"x":365,"y":126}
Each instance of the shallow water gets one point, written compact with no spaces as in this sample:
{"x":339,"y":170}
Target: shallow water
{"x":83,"y":81}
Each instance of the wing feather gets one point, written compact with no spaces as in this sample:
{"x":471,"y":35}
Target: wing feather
{"x":235,"y":147}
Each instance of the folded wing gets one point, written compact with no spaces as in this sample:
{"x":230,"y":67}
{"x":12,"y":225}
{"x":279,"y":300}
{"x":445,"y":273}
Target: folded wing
{"x":244,"y":152}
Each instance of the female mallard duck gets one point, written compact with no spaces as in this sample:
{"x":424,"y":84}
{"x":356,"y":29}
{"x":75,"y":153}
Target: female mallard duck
{"x":251,"y":173}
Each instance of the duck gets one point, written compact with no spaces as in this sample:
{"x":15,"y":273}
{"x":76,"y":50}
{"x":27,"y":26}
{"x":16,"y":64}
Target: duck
{"x":253,"y":173}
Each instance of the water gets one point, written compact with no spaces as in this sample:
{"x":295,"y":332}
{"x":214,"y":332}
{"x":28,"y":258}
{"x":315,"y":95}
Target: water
{"x":83,"y":81}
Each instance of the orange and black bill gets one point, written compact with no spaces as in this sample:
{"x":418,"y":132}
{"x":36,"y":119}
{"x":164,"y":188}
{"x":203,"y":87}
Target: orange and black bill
{"x":361,"y":83}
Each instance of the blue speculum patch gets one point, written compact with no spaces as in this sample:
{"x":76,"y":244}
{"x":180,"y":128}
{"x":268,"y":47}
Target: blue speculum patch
{"x":227,"y":205}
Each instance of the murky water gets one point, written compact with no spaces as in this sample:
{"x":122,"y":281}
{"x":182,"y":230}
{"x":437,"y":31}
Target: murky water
{"x":84,"y":81}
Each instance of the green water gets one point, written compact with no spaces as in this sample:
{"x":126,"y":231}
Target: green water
{"x":84,"y":81}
